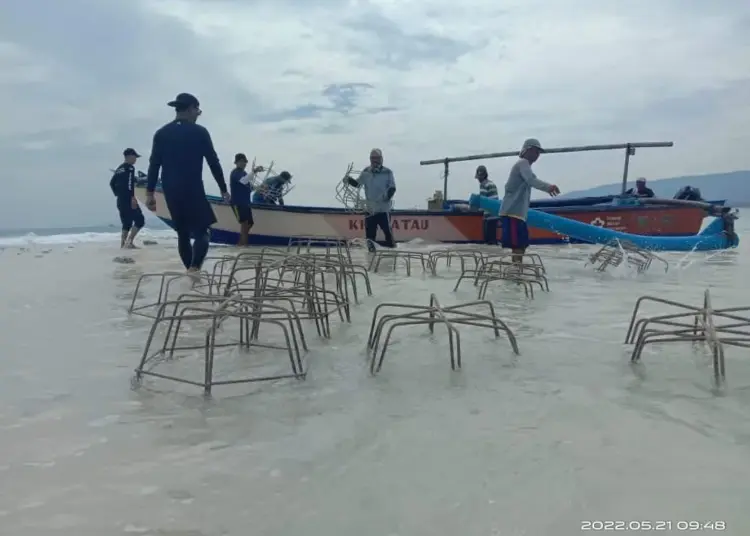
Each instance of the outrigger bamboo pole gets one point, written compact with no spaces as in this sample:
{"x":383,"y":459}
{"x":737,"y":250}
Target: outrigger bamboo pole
{"x":629,"y":151}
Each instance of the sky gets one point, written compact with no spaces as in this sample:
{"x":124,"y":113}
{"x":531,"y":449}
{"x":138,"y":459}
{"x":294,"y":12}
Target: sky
{"x":314,"y":85}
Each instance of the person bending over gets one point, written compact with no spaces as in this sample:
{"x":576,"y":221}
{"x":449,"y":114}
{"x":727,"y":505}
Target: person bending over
{"x":380,"y":187}
{"x":178,"y":150}
{"x":515,"y":206}
{"x":272,"y":190}
{"x":240,"y":189}
{"x":123,"y":186}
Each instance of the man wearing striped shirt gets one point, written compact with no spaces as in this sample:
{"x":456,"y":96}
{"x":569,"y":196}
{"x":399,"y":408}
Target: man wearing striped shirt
{"x":487,"y":188}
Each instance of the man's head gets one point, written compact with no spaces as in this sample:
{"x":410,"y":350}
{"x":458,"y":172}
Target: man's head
{"x":187,"y":107}
{"x":481,"y":173}
{"x":286,"y":176}
{"x":240,"y":160}
{"x":531,"y":149}
{"x":376,"y":158}
{"x":131,"y":155}
{"x":640,"y":184}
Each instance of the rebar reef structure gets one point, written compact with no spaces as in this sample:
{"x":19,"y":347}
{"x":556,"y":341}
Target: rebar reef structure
{"x":383,"y":326}
{"x":714,"y":328}
{"x":248,"y":291}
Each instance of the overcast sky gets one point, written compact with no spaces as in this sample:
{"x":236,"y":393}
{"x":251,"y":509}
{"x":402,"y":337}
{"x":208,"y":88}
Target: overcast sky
{"x":315,"y":84}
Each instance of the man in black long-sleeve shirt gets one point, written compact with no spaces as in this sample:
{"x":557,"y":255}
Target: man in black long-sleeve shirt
{"x":123,"y":186}
{"x":178,"y":150}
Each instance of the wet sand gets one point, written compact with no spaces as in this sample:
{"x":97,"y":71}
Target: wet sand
{"x":532,"y":445}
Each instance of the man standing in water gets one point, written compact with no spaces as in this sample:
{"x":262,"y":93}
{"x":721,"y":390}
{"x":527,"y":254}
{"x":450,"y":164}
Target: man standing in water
{"x":240,"y":189}
{"x":380,"y":187}
{"x":515,"y":206}
{"x":123,"y":186}
{"x":487,"y":189}
{"x":178,"y":150}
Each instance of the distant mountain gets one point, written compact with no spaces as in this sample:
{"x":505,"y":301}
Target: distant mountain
{"x":733,"y":186}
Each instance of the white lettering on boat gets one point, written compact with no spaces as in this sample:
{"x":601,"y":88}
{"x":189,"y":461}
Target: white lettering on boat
{"x":398,"y":224}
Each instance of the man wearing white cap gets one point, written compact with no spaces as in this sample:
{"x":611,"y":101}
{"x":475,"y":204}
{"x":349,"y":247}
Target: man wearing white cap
{"x":380,"y":187}
{"x":517,"y":198}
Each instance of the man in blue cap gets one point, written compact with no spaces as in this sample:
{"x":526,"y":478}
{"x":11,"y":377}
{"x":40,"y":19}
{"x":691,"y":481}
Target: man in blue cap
{"x":123,"y":186}
{"x":178,"y":150}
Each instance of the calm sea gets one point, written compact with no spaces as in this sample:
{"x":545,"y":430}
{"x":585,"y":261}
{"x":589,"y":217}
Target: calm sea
{"x":535,"y":445}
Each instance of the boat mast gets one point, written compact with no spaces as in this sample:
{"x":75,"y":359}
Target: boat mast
{"x":629,"y":151}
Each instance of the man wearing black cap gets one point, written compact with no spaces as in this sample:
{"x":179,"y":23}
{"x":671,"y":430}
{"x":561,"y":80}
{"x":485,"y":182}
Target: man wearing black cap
{"x":487,"y":188}
{"x":123,"y":186}
{"x":241,"y":188}
{"x":178,"y":150}
{"x":273,"y":189}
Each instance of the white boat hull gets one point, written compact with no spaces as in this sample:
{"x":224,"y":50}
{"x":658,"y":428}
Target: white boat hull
{"x":277,"y":225}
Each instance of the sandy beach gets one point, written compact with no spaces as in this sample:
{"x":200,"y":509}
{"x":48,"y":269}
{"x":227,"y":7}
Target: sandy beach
{"x":531,"y":445}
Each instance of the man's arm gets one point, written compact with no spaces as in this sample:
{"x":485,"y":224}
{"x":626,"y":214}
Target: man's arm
{"x":364,"y":176}
{"x":276,"y":188}
{"x":212,"y":159}
{"x":244,"y":180}
{"x":391,"y":183}
{"x":154,"y":164}
{"x":131,"y":182}
{"x":531,"y":179}
{"x":113,"y":181}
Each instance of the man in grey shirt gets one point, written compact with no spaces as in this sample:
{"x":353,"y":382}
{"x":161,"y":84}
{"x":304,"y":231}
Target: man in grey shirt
{"x":517,"y":198}
{"x":380,"y":187}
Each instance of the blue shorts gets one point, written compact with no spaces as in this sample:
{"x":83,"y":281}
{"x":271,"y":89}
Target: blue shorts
{"x":515,"y":233}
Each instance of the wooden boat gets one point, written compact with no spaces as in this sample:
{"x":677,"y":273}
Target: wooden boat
{"x":276,"y":225}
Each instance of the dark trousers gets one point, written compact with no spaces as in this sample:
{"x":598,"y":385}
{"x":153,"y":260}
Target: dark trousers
{"x":129,"y":216}
{"x":490,"y":230}
{"x":193,"y":253}
{"x":382,"y":220}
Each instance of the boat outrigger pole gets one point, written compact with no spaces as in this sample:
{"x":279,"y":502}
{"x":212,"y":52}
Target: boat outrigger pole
{"x":629,"y":151}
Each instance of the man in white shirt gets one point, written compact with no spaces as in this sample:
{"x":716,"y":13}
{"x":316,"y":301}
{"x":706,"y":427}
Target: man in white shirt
{"x":517,"y":198}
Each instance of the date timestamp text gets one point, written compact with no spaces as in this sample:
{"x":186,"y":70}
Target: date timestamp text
{"x":636,"y":526}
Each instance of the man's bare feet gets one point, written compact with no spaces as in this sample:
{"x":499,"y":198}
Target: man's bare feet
{"x":194,"y":274}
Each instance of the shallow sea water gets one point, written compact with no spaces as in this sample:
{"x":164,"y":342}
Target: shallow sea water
{"x":531,"y":445}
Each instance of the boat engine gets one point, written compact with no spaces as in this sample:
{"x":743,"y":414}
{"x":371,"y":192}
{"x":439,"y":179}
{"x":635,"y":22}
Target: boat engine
{"x":688,"y":193}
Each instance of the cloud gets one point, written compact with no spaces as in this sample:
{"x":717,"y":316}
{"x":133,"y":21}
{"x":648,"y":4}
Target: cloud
{"x":315,"y":85}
